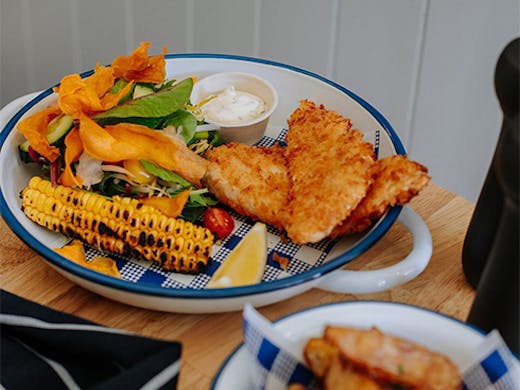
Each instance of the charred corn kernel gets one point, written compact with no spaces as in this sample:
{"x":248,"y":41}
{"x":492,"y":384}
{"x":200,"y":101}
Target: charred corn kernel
{"x":121,"y":225}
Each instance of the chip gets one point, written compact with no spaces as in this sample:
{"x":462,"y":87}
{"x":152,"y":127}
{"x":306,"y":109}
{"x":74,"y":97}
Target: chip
{"x":77,"y":96}
{"x":104,"y":265}
{"x":171,"y":207}
{"x":75,"y":252}
{"x":139,"y":67}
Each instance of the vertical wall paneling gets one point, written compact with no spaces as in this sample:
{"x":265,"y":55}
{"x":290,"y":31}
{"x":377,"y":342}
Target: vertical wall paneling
{"x":50,"y":53}
{"x":376,"y":48}
{"x":333,"y":34}
{"x":257,"y":30}
{"x":102,"y":31}
{"x":457,"y":115}
{"x":414,"y":77}
{"x":190,"y":28}
{"x":162,"y":22}
{"x":297,"y":32}
{"x":28,"y":45}
{"x":74,"y":33}
{"x":224,"y":26}
{"x":13,"y":80}
{"x":129,"y":25}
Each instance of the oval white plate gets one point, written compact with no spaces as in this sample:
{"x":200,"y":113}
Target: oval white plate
{"x":437,"y":332}
{"x":145,"y":284}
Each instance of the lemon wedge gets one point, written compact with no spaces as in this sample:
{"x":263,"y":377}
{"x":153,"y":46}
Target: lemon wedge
{"x":246,"y":263}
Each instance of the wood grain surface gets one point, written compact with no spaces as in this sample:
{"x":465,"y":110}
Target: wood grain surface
{"x":208,"y":339}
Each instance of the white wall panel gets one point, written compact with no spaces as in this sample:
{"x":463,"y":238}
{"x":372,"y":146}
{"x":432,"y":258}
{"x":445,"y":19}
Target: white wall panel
{"x":457,"y":118}
{"x":297,"y":32}
{"x":50,"y":52}
{"x":102,"y":31}
{"x":377,"y":55}
{"x":162,"y":22}
{"x":13,"y":76}
{"x":224,"y":26}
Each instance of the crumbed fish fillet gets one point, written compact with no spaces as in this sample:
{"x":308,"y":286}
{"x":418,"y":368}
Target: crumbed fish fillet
{"x":396,"y":181}
{"x":394,"y":360}
{"x":251,"y":180}
{"x":329,"y":171}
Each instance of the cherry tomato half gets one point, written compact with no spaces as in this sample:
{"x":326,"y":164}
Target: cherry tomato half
{"x":218,"y":221}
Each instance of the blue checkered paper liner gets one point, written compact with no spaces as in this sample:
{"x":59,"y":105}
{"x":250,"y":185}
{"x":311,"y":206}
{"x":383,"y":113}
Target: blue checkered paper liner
{"x":274,"y":358}
{"x":277,"y":361}
{"x":495,"y":368}
{"x":301,"y":257}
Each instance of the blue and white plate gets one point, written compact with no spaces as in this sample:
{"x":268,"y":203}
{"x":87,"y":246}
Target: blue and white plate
{"x":146,"y":285}
{"x":272,"y":356}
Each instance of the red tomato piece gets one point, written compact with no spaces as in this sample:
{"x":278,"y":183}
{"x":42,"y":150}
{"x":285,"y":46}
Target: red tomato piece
{"x":218,"y":221}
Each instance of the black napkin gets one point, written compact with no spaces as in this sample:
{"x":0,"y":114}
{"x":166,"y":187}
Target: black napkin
{"x":47,"y":349}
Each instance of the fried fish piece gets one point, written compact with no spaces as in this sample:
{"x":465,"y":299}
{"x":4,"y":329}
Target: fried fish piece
{"x":318,"y":354}
{"x":396,"y":180}
{"x":252,"y":180}
{"x":394,"y":360}
{"x":329,"y":171}
{"x":343,"y":376}
{"x":325,"y":362}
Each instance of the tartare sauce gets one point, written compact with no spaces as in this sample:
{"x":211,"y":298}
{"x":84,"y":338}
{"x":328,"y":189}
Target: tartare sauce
{"x":233,"y":106}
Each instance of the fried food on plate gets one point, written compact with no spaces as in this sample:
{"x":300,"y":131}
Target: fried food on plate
{"x":252,"y":180}
{"x":325,"y":182}
{"x":396,"y":181}
{"x":319,"y":354}
{"x":344,"y":376}
{"x":383,"y":359}
{"x":324,"y":360}
{"x":329,"y":168}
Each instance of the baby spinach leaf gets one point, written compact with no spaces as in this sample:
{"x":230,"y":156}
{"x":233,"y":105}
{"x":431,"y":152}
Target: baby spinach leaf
{"x":191,"y":214}
{"x":155,"y":105}
{"x":166,"y":84}
{"x":184,"y":119}
{"x":152,"y":123}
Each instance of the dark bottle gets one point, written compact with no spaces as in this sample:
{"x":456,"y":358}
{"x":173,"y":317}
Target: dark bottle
{"x":482,"y":227}
{"x":497,"y":299}
{"x":488,"y":210}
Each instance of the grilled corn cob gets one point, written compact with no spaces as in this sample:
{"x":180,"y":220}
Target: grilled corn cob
{"x":121,"y":225}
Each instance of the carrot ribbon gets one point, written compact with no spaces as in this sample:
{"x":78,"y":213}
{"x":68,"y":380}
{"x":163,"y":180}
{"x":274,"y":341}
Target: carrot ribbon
{"x":139,"y":67}
{"x":125,"y":141}
{"x":73,"y":150}
{"x":34,"y":129}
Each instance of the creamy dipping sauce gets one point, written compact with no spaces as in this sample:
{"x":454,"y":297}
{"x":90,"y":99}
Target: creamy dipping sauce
{"x":233,"y":106}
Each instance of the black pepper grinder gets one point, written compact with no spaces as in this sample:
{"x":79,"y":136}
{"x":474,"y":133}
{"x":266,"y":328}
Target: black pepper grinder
{"x":497,"y":299}
{"x":483,"y":225}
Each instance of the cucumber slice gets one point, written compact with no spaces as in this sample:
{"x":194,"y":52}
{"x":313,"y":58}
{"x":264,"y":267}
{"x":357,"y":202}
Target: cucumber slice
{"x":56,"y":130}
{"x":141,"y":90}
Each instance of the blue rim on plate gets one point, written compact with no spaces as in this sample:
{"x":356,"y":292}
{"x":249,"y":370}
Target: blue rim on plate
{"x":406,"y":305}
{"x":141,"y":288}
